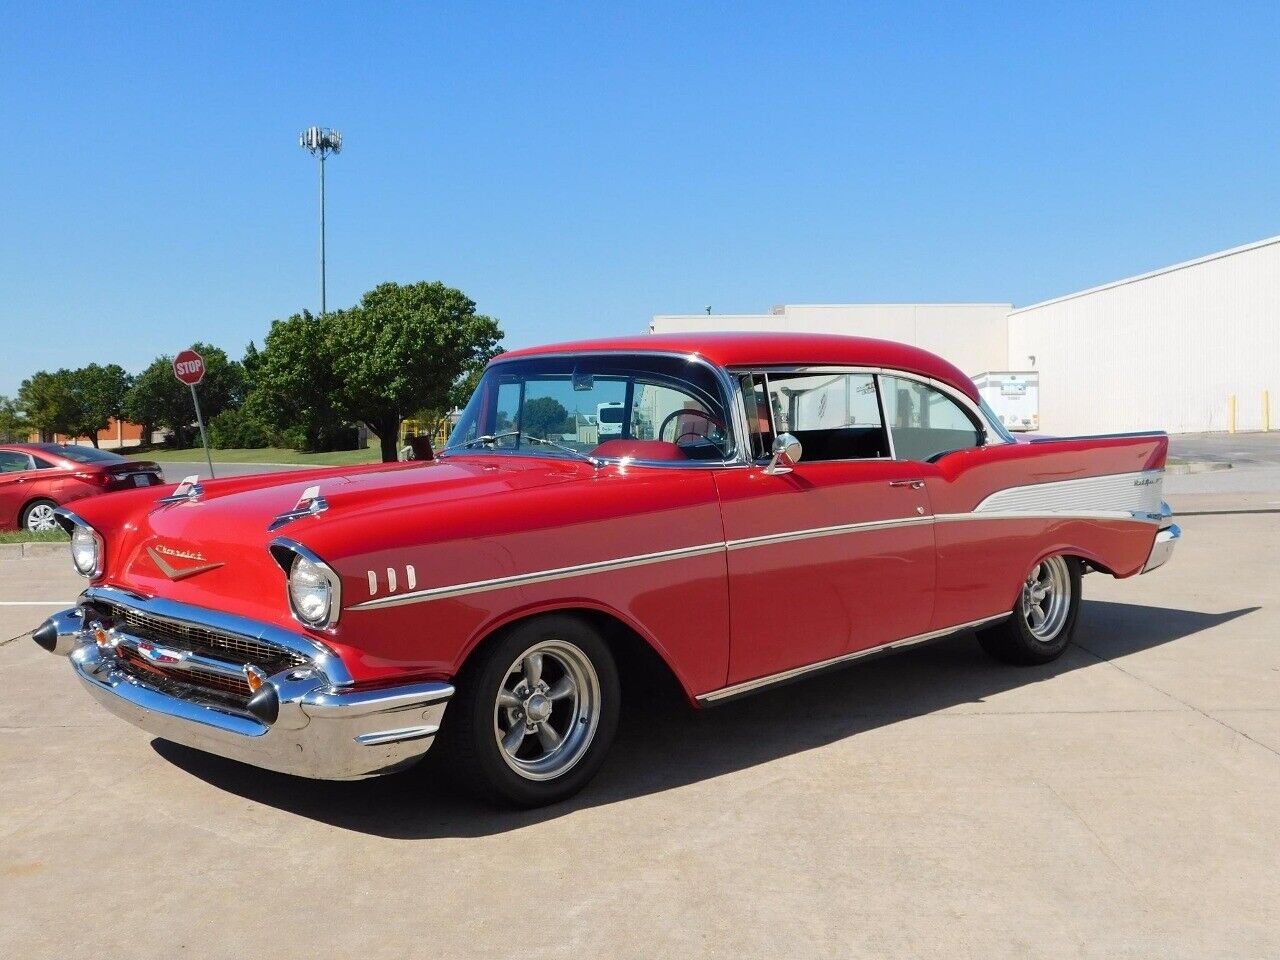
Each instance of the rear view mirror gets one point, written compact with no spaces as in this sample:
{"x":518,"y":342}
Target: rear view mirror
{"x":787,"y":452}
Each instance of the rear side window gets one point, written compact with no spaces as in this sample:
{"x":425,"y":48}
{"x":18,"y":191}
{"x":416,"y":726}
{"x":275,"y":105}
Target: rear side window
{"x":13,"y":462}
{"x":835,"y":416}
{"x":926,"y":423}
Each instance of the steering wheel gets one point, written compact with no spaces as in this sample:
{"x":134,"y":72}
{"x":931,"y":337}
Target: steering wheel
{"x":689,"y":433}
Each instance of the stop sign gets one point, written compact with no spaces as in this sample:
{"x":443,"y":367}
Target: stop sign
{"x":188,"y":366}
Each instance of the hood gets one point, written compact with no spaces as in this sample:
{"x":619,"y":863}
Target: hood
{"x":212,"y":550}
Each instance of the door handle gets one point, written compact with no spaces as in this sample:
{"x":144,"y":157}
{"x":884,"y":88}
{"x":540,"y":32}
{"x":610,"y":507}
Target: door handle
{"x":913,"y":484}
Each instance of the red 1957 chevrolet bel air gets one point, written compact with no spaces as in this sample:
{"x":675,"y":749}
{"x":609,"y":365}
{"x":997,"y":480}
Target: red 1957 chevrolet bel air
{"x":319,"y":623}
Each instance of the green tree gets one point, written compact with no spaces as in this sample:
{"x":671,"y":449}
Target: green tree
{"x":14,"y":426}
{"x":98,"y":394}
{"x":157,"y":399}
{"x":49,"y":402}
{"x":402,"y":349}
{"x":542,"y":416}
{"x":292,"y":383}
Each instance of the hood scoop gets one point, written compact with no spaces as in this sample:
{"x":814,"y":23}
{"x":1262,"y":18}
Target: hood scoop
{"x":308,"y":505}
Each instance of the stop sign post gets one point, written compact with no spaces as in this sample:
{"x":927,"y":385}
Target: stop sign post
{"x":188,"y":367}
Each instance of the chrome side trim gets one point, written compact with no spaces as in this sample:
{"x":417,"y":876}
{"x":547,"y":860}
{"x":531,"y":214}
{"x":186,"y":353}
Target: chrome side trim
{"x":814,"y":532}
{"x":320,"y":655}
{"x":605,"y":566}
{"x":748,"y":686}
{"x":540,"y":576}
{"x":1127,"y":515}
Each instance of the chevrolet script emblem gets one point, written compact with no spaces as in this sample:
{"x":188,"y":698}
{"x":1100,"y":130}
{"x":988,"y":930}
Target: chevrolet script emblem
{"x":159,"y":552}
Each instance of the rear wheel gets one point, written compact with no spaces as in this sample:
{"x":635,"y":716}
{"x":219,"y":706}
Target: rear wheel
{"x":1043,"y":621}
{"x":38,"y":517}
{"x":536,"y":712}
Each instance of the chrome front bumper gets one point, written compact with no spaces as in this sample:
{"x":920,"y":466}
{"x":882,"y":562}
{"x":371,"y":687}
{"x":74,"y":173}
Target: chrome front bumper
{"x":1166,"y":539}
{"x":318,"y":730}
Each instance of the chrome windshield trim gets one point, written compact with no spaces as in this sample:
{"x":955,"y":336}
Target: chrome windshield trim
{"x":748,"y":686}
{"x":728,"y":398}
{"x":320,"y":655}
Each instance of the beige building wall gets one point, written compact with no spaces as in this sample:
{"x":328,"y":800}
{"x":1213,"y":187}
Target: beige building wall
{"x":1164,"y":350}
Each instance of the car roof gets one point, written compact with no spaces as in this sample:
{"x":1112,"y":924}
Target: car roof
{"x":750,"y":349}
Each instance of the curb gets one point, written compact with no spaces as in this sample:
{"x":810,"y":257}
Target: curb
{"x":1197,"y":466}
{"x":22,"y":551}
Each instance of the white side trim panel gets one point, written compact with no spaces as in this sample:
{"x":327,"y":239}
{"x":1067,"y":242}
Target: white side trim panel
{"x":1120,"y":492}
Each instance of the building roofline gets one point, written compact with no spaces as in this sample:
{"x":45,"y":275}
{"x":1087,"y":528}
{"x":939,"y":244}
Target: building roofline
{"x":1257,"y":244}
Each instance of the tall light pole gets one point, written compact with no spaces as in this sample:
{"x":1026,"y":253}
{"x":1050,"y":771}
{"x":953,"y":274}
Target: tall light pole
{"x":320,"y":143}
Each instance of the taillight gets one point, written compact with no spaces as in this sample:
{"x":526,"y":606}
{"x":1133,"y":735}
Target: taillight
{"x":100,"y":477}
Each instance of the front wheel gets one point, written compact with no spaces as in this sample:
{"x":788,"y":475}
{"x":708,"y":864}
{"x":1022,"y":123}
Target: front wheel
{"x":536,"y":712}
{"x":1043,"y":621}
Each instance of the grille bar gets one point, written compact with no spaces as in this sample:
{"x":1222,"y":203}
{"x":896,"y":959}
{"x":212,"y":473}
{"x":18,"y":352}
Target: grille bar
{"x":223,"y":689}
{"x":200,"y":639}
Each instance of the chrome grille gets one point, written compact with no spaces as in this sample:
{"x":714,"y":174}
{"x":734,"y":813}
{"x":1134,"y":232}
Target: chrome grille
{"x":237,"y":687}
{"x":183,"y":635}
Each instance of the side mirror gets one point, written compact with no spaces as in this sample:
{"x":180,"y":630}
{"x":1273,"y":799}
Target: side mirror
{"x":787,"y":452}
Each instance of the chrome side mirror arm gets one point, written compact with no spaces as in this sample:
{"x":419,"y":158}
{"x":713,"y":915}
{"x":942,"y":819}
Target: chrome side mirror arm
{"x":787,"y":451}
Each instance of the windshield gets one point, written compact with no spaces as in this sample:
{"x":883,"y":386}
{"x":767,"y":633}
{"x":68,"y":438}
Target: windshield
{"x":645,"y":407}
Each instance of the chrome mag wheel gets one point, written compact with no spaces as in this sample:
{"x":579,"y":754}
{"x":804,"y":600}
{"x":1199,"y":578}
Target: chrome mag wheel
{"x":1046,"y":598}
{"x":547,"y":710}
{"x":40,"y":518}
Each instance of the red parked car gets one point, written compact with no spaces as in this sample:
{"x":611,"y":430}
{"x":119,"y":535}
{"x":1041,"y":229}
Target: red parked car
{"x":767,"y":506}
{"x":36,"y":478}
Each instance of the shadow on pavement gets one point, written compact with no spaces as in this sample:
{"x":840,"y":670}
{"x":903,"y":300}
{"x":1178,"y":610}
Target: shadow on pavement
{"x":667,"y":744}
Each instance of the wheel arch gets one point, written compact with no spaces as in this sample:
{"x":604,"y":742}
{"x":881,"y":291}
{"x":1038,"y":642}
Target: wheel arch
{"x":639,"y":655}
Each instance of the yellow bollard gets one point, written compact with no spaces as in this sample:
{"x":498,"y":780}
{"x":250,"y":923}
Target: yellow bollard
{"x":1231,"y":413}
{"x":1266,"y":410}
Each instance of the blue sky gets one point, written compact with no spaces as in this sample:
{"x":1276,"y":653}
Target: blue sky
{"x":578,"y":168}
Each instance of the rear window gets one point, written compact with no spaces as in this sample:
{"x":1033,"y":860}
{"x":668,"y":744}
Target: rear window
{"x":80,"y":454}
{"x":611,"y":415}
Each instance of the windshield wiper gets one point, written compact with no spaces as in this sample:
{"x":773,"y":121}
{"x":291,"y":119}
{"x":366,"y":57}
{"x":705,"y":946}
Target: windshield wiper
{"x":495,"y":437}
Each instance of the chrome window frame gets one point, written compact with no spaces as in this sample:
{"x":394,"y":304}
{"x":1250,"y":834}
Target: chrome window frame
{"x":989,"y":435}
{"x":728,"y":398}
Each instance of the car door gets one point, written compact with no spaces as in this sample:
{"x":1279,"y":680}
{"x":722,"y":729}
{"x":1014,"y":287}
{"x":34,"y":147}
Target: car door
{"x":836,"y":555}
{"x":926,"y":425}
{"x":16,"y":474}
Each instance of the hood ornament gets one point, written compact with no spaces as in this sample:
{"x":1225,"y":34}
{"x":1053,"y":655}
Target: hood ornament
{"x":188,"y":489}
{"x":309,"y":504}
{"x":159,"y":552}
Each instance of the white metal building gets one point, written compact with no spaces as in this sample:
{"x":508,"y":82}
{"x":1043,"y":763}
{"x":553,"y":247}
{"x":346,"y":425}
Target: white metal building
{"x":1177,"y":349}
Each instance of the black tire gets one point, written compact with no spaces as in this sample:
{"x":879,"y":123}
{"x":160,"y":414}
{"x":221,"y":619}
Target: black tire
{"x":472,"y":722}
{"x":31,"y":508}
{"x":1014,"y":641}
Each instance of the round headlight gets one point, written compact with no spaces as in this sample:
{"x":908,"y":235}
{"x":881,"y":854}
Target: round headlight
{"x":85,"y":550}
{"x":310,"y":591}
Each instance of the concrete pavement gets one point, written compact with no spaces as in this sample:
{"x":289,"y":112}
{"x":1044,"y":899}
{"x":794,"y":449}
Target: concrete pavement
{"x":1119,"y":803}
